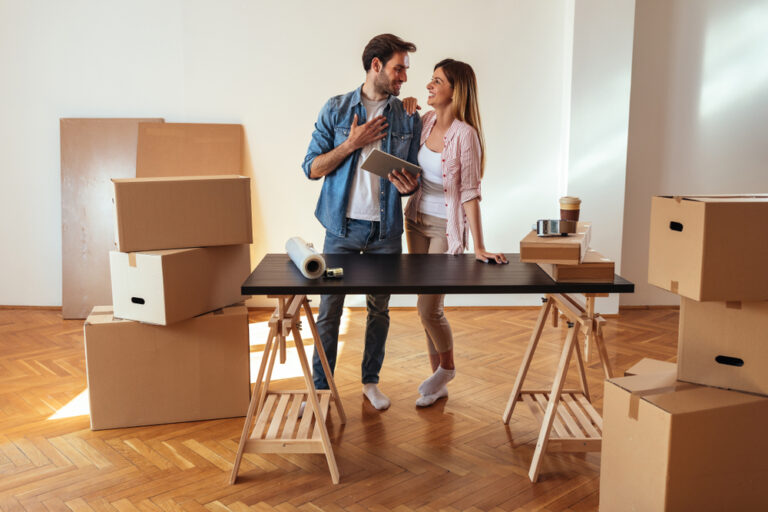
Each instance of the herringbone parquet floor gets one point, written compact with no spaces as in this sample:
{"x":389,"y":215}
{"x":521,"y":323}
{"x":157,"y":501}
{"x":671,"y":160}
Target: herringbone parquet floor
{"x":456,"y":455}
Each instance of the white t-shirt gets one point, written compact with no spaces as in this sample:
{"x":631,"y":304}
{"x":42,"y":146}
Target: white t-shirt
{"x":432,"y":193}
{"x":364,"y":194}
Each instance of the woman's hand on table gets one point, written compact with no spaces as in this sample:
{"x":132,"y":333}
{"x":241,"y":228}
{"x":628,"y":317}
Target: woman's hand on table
{"x":490,"y":257}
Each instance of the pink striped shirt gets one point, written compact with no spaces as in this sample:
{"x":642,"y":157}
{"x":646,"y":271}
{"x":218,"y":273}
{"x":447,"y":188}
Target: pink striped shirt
{"x":461,"y":178}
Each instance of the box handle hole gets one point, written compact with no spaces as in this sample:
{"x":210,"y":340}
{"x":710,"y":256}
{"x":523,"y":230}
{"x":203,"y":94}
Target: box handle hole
{"x":137,"y":300}
{"x":675,"y":226}
{"x":730,"y":361}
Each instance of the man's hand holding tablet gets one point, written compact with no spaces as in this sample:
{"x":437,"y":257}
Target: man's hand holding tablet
{"x":401,"y":173}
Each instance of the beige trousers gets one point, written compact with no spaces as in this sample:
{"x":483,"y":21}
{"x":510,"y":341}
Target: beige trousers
{"x":426,"y":235}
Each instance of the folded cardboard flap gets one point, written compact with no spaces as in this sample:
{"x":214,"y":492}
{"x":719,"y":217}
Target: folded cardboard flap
{"x":648,"y":365}
{"x":100,"y":315}
{"x":719,"y":197}
{"x":635,"y":396}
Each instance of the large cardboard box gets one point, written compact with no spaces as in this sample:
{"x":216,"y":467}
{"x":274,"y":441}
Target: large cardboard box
{"x":567,"y":250}
{"x":174,"y":213}
{"x":163,"y":287}
{"x":677,"y":446}
{"x":594,"y":268}
{"x":141,"y":374}
{"x":710,"y":247}
{"x":188,"y":149}
{"x":724,"y":344}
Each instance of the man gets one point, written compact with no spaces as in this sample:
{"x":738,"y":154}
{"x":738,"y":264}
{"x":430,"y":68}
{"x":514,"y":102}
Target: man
{"x":361,"y":212}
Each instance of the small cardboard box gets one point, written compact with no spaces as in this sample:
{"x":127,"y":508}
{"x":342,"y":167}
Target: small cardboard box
{"x":163,"y":287}
{"x":566,"y":250}
{"x":675,"y":446}
{"x":647,"y":365}
{"x":141,"y":374}
{"x":175,"y":213}
{"x":724,"y":344}
{"x":710,"y":247}
{"x":594,"y":268}
{"x":188,"y":149}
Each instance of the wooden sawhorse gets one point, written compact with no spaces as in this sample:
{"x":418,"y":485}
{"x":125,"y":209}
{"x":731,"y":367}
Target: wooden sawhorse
{"x":577,"y":425}
{"x":278,"y":427}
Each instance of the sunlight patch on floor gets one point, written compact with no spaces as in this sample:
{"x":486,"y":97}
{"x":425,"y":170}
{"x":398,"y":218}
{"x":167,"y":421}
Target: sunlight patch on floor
{"x":78,"y":406}
{"x":259,"y":333}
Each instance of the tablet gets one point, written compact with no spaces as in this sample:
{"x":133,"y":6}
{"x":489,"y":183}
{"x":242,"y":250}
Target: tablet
{"x":381,"y":163}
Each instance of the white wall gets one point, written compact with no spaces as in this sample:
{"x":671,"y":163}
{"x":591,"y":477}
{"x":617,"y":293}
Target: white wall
{"x":69,"y":59}
{"x":699,"y":106}
{"x":269,"y":66}
{"x":597,"y":153}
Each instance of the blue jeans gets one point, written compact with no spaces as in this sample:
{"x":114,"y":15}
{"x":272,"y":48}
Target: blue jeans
{"x":362,"y":237}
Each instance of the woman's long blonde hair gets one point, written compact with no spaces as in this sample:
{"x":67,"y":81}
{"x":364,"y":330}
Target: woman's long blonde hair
{"x":461,"y":76}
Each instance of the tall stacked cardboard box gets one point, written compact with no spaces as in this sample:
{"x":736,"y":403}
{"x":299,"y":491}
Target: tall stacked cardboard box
{"x":695,"y":439}
{"x":174,"y":345}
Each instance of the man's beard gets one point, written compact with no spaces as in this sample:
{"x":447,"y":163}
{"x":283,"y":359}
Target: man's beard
{"x":383,"y":84}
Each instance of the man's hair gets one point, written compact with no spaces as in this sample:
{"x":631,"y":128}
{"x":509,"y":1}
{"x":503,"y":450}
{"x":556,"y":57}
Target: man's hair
{"x":383,"y":47}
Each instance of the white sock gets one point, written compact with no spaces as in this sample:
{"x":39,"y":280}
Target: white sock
{"x":426,"y":401}
{"x":378,"y":399}
{"x":437,"y":380}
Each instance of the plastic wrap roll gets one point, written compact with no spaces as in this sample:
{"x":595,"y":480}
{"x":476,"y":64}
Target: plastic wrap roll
{"x":303,"y":255}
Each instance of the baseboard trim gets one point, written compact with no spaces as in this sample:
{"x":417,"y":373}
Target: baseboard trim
{"x":629,"y":308}
{"x":39,"y":308}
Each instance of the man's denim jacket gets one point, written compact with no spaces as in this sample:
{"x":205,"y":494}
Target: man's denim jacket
{"x":331,"y":129}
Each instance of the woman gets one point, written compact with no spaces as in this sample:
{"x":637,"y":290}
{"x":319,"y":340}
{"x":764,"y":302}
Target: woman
{"x":437,"y":216}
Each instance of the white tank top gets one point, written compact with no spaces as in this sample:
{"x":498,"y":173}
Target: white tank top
{"x":432,"y":193}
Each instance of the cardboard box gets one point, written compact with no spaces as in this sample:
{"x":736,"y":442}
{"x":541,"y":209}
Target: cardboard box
{"x":567,"y":250}
{"x":710,"y":247}
{"x":724,"y":344}
{"x":647,"y":365}
{"x":163,"y":287}
{"x":142,"y":374}
{"x":594,"y":268}
{"x":188,"y":149}
{"x":676,"y":446}
{"x":175,"y":213}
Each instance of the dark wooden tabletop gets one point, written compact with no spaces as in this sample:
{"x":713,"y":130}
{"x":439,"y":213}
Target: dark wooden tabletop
{"x":415,"y":273}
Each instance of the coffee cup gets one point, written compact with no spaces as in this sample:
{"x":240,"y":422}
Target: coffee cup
{"x":569,"y":208}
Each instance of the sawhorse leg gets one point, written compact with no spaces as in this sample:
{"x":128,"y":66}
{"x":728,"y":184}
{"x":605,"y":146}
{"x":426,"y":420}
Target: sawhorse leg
{"x":269,"y":439}
{"x":578,"y":426}
{"x":554,"y":401}
{"x":514,"y":397}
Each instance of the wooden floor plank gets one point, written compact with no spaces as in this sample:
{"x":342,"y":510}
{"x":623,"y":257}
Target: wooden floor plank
{"x":455,"y":455}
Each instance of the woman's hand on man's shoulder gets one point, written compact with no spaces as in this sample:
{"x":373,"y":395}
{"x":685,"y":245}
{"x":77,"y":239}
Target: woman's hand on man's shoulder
{"x":411,"y":105}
